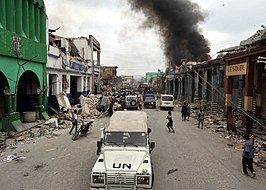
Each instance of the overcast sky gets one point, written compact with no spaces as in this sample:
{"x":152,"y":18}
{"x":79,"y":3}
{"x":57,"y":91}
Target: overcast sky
{"x":136,"y":50}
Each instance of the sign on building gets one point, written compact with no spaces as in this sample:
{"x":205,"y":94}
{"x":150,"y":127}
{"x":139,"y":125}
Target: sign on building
{"x":237,"y":69}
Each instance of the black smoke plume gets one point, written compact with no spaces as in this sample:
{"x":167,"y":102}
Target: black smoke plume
{"x":177,"y":23}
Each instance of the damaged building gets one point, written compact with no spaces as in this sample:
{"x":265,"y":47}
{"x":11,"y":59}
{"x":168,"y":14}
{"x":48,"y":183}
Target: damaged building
{"x":245,"y":69}
{"x":32,"y":79}
{"x":73,"y":68}
{"x":23,"y":57}
{"x":234,"y":81}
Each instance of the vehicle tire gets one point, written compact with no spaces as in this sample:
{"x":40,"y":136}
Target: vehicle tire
{"x":75,"y":136}
{"x":83,"y":130}
{"x":133,"y":102}
{"x":152,"y":178}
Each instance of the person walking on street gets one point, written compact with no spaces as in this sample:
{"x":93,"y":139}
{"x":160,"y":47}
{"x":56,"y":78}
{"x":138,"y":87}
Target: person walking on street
{"x":170,"y":123}
{"x":140,"y":102}
{"x":188,"y":112}
{"x":201,"y":118}
{"x":74,"y":122}
{"x":247,"y":156}
{"x":111,"y":108}
{"x":184,"y":112}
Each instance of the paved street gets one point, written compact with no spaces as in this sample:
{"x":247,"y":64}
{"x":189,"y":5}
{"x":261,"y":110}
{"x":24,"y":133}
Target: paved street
{"x":203,"y":160}
{"x":198,"y":159}
{"x":55,"y":163}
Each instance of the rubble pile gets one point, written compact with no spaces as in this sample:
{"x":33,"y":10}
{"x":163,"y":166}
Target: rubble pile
{"x":87,"y":110}
{"x":11,"y":140}
{"x":89,"y":106}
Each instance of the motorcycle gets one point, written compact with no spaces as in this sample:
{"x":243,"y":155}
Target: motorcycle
{"x":82,"y":130}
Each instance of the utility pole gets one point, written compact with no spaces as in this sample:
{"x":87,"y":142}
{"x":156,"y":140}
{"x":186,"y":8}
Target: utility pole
{"x":158,"y":76}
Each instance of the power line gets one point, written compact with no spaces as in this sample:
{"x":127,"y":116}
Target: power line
{"x":251,"y":116}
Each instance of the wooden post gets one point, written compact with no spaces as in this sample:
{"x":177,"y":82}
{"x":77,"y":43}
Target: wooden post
{"x":249,"y":81}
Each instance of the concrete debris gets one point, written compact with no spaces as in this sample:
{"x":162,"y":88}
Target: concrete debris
{"x":239,"y":146}
{"x":14,"y":157}
{"x":63,"y":101}
{"x":53,"y":122}
{"x":10,"y":142}
{"x":87,"y":110}
{"x":11,"y":157}
{"x":172,"y":171}
{"x":263,"y":146}
{"x":39,"y":166}
{"x":227,"y":137}
{"x":22,"y":151}
{"x":51,"y":128}
{"x":48,"y":130}
{"x":26,"y":174}
{"x":89,"y":106}
{"x":260,"y":159}
{"x":219,"y":130}
{"x":220,"y":126}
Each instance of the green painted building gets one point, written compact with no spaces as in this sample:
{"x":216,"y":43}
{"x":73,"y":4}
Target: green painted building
{"x":23,"y":57}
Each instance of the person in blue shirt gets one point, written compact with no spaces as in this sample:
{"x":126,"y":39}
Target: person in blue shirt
{"x":247,"y":156}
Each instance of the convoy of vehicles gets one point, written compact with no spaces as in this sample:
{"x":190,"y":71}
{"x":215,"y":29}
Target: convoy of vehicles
{"x":124,"y":160}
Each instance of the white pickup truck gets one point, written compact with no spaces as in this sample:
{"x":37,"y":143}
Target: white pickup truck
{"x":124,"y":160}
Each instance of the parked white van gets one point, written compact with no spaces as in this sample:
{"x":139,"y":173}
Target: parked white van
{"x":167,"y":101}
{"x":124,"y":160}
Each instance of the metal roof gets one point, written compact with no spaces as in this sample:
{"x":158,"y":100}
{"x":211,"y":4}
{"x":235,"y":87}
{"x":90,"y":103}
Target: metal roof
{"x":128,"y":121}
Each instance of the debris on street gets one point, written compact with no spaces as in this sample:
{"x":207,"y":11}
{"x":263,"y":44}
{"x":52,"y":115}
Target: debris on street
{"x":216,"y":121}
{"x":14,"y":157}
{"x":39,"y":166}
{"x":172,"y":171}
{"x":89,"y":104}
{"x":87,"y":110}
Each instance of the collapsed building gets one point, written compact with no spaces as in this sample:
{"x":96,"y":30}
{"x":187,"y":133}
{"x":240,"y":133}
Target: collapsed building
{"x":109,"y":79}
{"x":73,"y":68}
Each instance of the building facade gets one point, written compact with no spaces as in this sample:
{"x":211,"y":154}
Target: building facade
{"x":23,"y":57}
{"x":72,"y":68}
{"x":234,"y":81}
{"x":245,"y":67}
{"x":108,"y":74}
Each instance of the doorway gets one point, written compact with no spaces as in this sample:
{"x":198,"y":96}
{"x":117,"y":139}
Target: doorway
{"x":27,"y":92}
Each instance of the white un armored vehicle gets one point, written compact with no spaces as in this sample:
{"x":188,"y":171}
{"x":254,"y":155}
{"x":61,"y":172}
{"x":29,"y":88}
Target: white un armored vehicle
{"x":124,"y":160}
